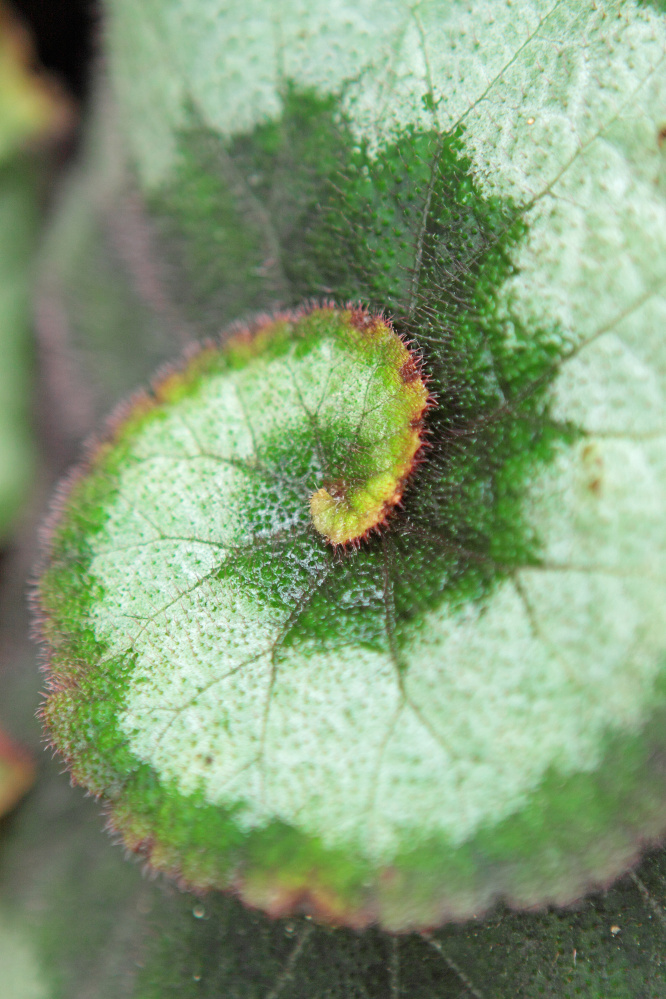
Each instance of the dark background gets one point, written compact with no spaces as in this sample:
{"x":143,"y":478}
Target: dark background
{"x":65,"y":32}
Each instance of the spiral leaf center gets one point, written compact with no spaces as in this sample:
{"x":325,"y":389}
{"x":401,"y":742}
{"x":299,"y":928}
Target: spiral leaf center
{"x":386,"y":437}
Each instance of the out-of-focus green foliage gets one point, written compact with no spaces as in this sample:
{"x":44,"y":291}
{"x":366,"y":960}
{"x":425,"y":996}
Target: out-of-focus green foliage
{"x":31,"y":110}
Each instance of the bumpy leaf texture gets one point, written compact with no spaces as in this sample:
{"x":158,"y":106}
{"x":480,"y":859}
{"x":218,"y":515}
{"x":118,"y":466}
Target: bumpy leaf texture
{"x":473,"y":703}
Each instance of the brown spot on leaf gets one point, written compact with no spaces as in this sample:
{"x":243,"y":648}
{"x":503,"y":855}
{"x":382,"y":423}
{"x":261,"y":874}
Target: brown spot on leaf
{"x":409,"y":371}
{"x":337,"y":488}
{"x":593,"y":467}
{"x":361,"y":318}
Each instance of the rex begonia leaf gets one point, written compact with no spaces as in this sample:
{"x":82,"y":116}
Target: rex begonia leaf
{"x":472,"y":703}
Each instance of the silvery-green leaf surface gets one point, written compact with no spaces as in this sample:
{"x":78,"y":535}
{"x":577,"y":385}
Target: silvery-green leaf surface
{"x":504,"y":168}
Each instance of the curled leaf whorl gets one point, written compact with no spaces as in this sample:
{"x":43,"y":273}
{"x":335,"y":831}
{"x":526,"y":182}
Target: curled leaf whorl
{"x":402,"y":725}
{"x":305,"y":712}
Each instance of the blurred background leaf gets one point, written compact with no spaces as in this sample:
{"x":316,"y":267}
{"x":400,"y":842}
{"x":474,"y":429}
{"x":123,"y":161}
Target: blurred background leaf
{"x":33,"y":112}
